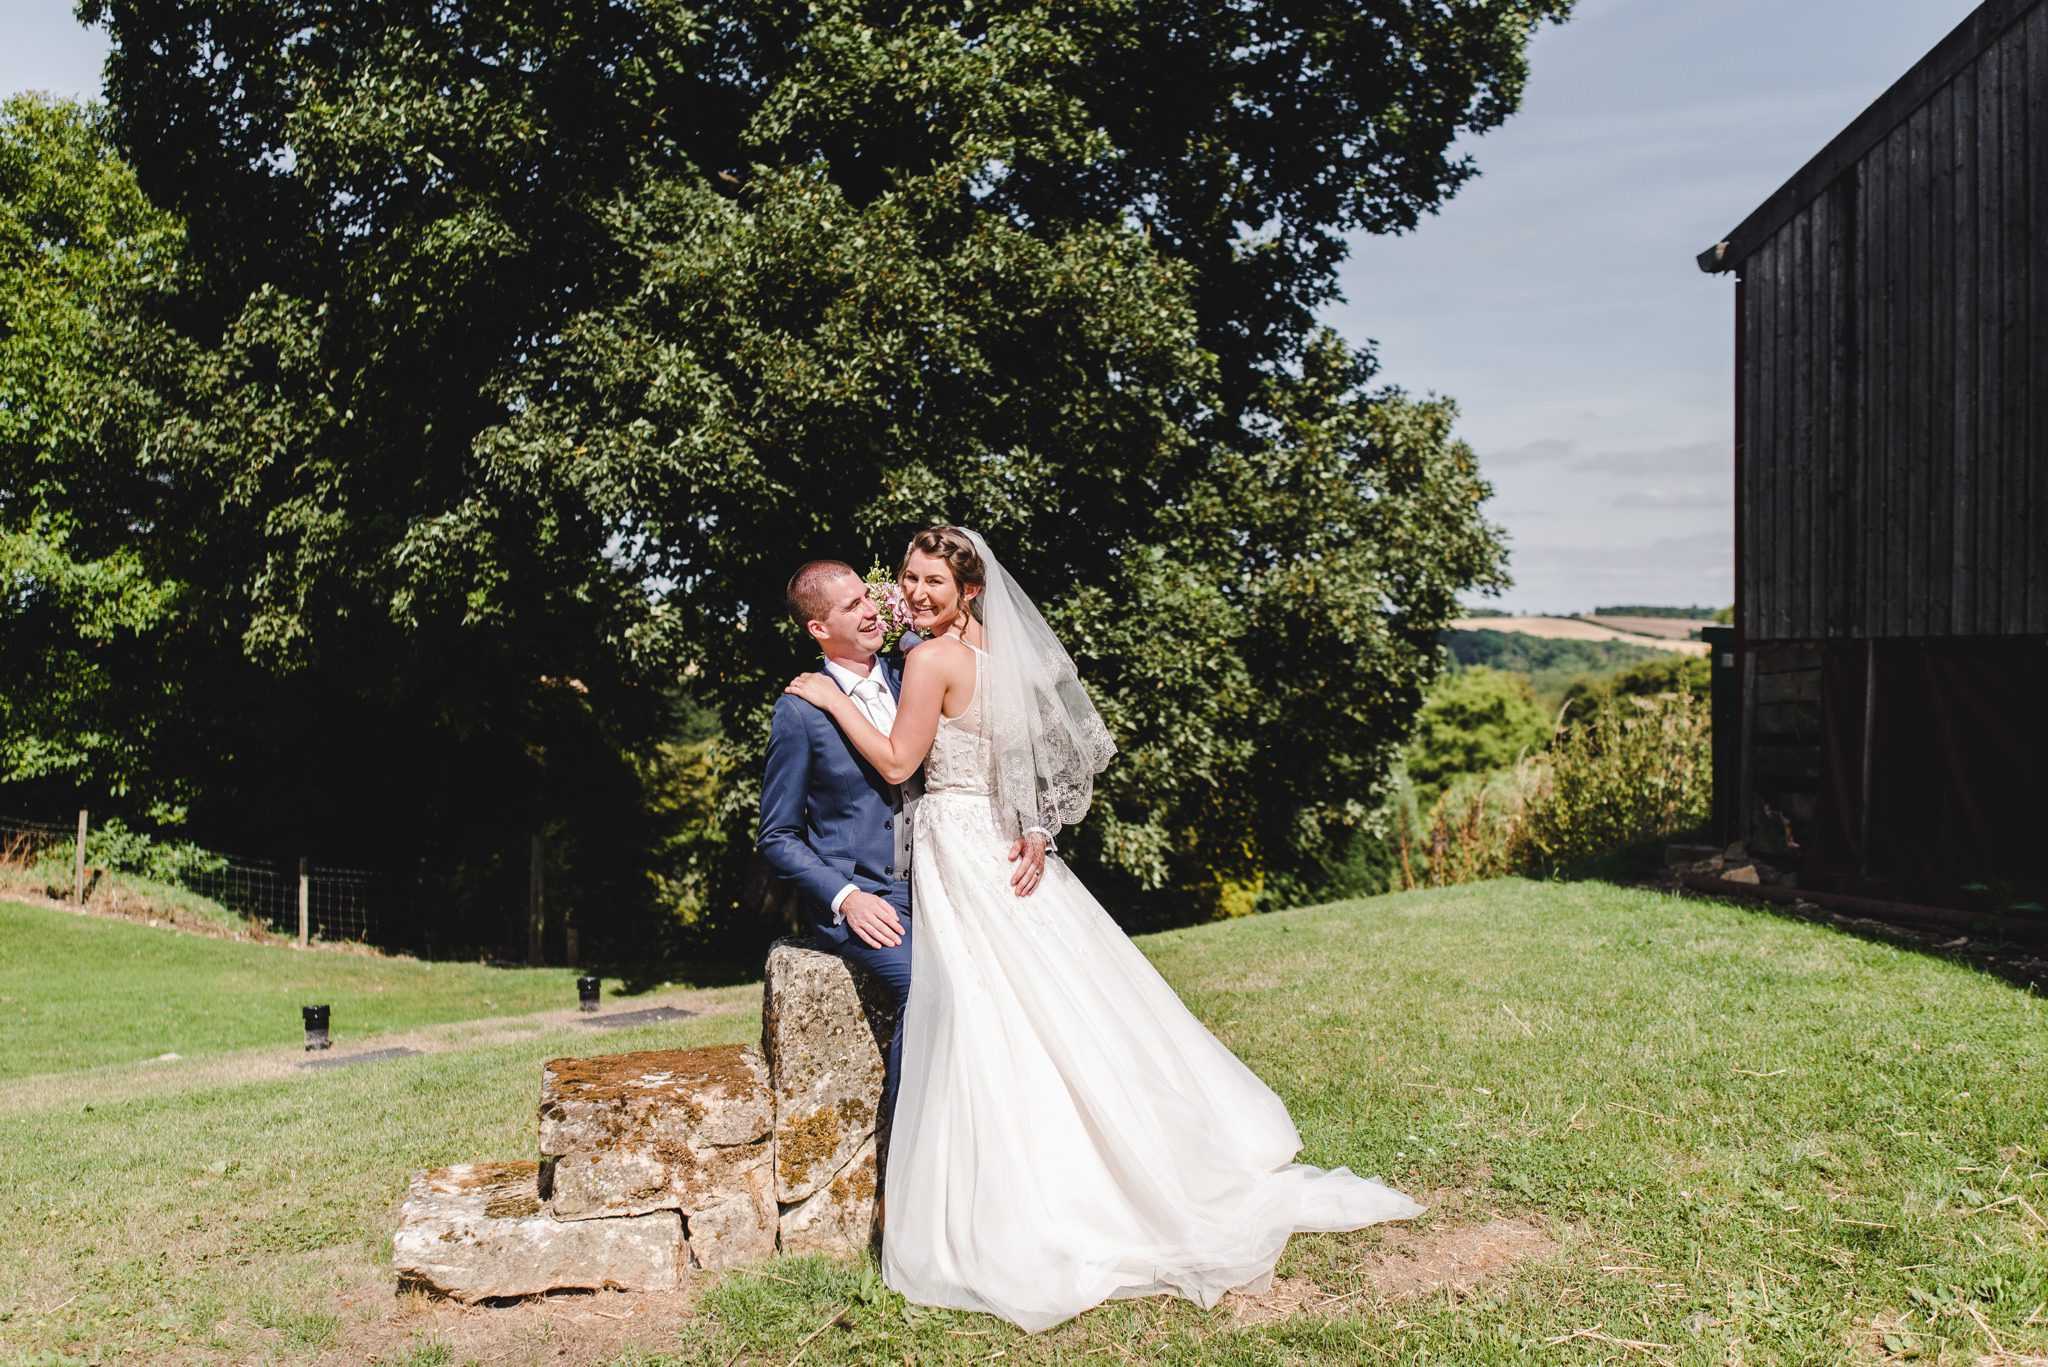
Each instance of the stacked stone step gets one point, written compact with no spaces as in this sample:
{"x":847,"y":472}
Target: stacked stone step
{"x":658,"y":1163}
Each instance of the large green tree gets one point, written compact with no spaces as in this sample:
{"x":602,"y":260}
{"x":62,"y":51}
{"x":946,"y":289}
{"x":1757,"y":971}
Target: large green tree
{"x":541,"y":340}
{"x":84,"y":610}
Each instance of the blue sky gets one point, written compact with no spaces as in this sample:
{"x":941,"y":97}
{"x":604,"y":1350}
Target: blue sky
{"x":1556,"y":297}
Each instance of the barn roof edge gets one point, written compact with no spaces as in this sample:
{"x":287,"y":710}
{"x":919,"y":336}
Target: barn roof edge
{"x":1982,"y":27}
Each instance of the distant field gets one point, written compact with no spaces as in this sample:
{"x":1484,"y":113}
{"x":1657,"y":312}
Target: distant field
{"x":1668,"y":628}
{"x":1584,"y":629}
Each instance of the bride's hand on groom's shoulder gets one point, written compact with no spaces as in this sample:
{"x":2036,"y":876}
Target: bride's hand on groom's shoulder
{"x":816,"y":689}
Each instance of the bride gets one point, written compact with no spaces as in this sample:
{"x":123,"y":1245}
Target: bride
{"x":1065,"y":1130}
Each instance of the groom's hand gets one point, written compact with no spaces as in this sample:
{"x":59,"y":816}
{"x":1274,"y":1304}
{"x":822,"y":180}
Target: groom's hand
{"x":1028,"y":854}
{"x":874,"y":920}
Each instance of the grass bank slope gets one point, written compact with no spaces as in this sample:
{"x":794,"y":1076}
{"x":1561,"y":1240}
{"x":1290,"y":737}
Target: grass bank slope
{"x":1736,"y":1139}
{"x":85,"y":991}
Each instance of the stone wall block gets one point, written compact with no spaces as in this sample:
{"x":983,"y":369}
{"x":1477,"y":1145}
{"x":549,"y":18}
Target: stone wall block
{"x":823,"y":1026}
{"x":663,"y":1129}
{"x":478,"y":1231}
{"x":740,"y":1228}
{"x":839,"y":1217}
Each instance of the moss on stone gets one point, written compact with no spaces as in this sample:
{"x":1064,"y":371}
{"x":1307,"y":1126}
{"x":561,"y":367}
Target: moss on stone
{"x":802,"y":1144}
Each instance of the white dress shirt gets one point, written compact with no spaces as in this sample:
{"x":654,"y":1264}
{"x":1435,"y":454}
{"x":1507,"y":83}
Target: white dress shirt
{"x":870,"y":693}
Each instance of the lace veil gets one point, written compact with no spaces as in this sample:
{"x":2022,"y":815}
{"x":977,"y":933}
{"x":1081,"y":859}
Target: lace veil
{"x":1047,"y":740}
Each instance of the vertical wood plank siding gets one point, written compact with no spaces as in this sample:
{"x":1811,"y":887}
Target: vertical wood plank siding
{"x":1895,"y":371}
{"x":2036,"y":378}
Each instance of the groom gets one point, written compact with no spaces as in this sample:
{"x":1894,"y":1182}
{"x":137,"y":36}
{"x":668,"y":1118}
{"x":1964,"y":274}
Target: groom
{"x":830,"y":824}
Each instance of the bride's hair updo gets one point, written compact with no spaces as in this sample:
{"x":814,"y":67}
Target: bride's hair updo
{"x":951,"y":545}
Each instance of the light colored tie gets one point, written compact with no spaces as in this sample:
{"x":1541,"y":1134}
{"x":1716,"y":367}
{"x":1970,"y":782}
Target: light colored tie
{"x":874,"y":700}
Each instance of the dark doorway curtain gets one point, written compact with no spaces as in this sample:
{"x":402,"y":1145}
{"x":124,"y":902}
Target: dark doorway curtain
{"x":1957,"y":754}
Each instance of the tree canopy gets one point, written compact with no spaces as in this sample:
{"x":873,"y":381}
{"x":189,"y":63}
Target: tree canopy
{"x":81,"y":254}
{"x":533,"y":345}
{"x":1474,"y":721}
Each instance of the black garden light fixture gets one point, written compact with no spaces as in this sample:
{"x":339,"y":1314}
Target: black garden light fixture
{"x":316,"y":1027}
{"x":586,"y":992}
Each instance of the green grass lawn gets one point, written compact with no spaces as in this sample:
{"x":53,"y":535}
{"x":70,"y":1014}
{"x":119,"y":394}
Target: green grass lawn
{"x":82,"y":992}
{"x":1752,"y":1140}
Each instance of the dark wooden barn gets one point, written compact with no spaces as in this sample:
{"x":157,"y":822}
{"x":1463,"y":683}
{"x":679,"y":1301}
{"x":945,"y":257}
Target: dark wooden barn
{"x":1891,"y":489}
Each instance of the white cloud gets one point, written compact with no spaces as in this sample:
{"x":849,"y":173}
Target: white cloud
{"x":1575,"y":577}
{"x":1561,"y":284}
{"x":1697,"y":457}
{"x":1544,"y":450}
{"x":1673,"y":498}
{"x":1697,"y":553}
{"x":1692,"y":457}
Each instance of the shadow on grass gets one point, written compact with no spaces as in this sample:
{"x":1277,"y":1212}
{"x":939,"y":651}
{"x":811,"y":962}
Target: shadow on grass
{"x":638,"y":978}
{"x":1642,"y":865}
{"x":2023,"y":966}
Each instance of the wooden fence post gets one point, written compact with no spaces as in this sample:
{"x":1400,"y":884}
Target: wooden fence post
{"x":78,"y":863}
{"x":535,"y":894}
{"x":305,"y":904}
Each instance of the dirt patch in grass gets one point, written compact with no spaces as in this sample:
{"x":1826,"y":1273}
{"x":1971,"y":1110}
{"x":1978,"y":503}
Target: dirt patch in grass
{"x":1415,"y":1263}
{"x":1405,"y":1264}
{"x":1408,"y":1264}
{"x":562,"y":1326}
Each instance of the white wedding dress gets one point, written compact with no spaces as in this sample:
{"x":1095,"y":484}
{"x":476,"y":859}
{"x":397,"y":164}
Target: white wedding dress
{"x":1066,"y":1130}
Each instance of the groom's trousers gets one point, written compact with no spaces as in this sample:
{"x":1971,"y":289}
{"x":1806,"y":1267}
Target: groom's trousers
{"x":889,"y":966}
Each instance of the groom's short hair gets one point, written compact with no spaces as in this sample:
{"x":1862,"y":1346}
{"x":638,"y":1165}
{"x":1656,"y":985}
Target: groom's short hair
{"x":807,"y":596}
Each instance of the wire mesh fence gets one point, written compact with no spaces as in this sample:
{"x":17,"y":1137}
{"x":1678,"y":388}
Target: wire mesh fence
{"x":25,"y":844}
{"x":484,"y":910}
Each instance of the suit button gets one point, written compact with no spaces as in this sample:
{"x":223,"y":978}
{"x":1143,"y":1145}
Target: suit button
{"x":886,"y":825}
{"x":889,"y":870}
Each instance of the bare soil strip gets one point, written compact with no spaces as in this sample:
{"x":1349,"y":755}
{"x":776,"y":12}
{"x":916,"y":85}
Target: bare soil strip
{"x":1406,"y":1264}
{"x":1409,"y":1264}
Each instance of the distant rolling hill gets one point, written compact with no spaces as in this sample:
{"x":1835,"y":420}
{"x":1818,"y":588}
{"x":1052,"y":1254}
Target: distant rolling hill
{"x":1654,"y":633}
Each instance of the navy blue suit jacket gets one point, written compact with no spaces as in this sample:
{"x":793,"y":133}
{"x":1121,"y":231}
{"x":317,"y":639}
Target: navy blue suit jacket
{"x":827,"y":818}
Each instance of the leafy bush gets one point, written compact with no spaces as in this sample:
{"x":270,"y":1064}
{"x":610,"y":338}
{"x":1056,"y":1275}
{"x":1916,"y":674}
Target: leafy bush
{"x":1472,"y":722}
{"x":1551,"y":663}
{"x":1645,"y":610}
{"x":111,"y":845}
{"x":1670,"y":673}
{"x":1474,"y":828}
{"x":1638,"y":769}
{"x":135,"y":876}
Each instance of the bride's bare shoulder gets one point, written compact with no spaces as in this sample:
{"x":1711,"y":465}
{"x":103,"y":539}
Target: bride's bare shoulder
{"x":944,"y":654}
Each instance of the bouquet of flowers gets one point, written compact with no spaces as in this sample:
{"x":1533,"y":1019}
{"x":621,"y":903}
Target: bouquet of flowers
{"x":890,"y":604}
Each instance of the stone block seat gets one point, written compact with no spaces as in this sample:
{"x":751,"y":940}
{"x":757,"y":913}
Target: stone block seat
{"x":655,"y":1162}
{"x":669,"y":1129}
{"x":823,"y":1028}
{"x":478,"y":1231}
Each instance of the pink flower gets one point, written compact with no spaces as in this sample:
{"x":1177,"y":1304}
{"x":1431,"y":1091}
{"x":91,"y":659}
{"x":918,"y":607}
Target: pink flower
{"x":890,"y":603}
